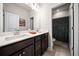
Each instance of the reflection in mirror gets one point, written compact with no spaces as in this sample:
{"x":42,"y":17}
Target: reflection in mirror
{"x":11,"y":21}
{"x":17,"y":17}
{"x":32,"y":23}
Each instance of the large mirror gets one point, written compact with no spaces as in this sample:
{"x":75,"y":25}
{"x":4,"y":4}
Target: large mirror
{"x":17,"y":16}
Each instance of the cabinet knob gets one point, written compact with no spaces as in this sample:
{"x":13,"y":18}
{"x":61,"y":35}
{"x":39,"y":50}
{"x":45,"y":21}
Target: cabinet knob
{"x":24,"y":52}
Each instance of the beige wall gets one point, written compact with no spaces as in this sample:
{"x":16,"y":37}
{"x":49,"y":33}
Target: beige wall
{"x":21,"y":12}
{"x":78,"y":29}
{"x":1,"y":17}
{"x":45,"y":20}
{"x":61,"y":14}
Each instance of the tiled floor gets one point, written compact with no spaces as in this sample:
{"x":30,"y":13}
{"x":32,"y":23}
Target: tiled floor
{"x":60,"y":49}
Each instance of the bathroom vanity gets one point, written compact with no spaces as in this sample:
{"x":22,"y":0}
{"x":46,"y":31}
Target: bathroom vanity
{"x":34,"y":45}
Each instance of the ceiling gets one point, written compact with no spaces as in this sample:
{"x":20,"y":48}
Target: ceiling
{"x":24,"y":6}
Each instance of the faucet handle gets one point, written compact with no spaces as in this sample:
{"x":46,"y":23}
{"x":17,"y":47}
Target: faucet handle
{"x":16,"y":31}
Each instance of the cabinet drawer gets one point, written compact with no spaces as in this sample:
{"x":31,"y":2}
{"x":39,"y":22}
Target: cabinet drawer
{"x":38,"y":38}
{"x":28,"y":51}
{"x":44,"y":35}
{"x":10,"y":49}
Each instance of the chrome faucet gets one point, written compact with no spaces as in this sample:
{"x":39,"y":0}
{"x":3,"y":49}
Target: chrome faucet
{"x":16,"y":31}
{"x":38,"y":29}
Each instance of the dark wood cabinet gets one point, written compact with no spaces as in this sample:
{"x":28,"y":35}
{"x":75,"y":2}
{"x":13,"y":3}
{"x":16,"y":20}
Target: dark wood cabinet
{"x":19,"y":53}
{"x":28,"y":47}
{"x":41,"y":44}
{"x":38,"y":48}
{"x":28,"y":51}
{"x":44,"y":45}
{"x":44,"y":42}
{"x":13,"y":48}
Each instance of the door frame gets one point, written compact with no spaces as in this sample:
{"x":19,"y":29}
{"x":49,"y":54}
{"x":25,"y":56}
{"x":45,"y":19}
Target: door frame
{"x":72,"y":53}
{"x":76,"y":29}
{"x":71,"y":29}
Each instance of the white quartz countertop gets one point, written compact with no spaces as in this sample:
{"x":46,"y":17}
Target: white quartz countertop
{"x":26,"y":35}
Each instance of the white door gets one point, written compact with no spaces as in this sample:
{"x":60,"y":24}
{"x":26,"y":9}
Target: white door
{"x":71,"y":30}
{"x":11,"y":21}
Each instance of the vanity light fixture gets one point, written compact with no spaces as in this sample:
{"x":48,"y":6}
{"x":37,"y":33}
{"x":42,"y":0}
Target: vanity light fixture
{"x":34,"y":6}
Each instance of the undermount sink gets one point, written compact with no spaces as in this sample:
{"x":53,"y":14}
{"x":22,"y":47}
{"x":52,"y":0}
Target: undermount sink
{"x":15,"y":37}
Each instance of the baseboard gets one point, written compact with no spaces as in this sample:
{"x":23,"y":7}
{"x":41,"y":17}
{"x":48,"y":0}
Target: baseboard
{"x":50,"y":49}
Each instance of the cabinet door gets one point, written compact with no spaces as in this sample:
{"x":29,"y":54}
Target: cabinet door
{"x":43,"y":46}
{"x":11,"y":49}
{"x":19,"y":53}
{"x":44,"y":43}
{"x":38,"y":48}
{"x":28,"y":51}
